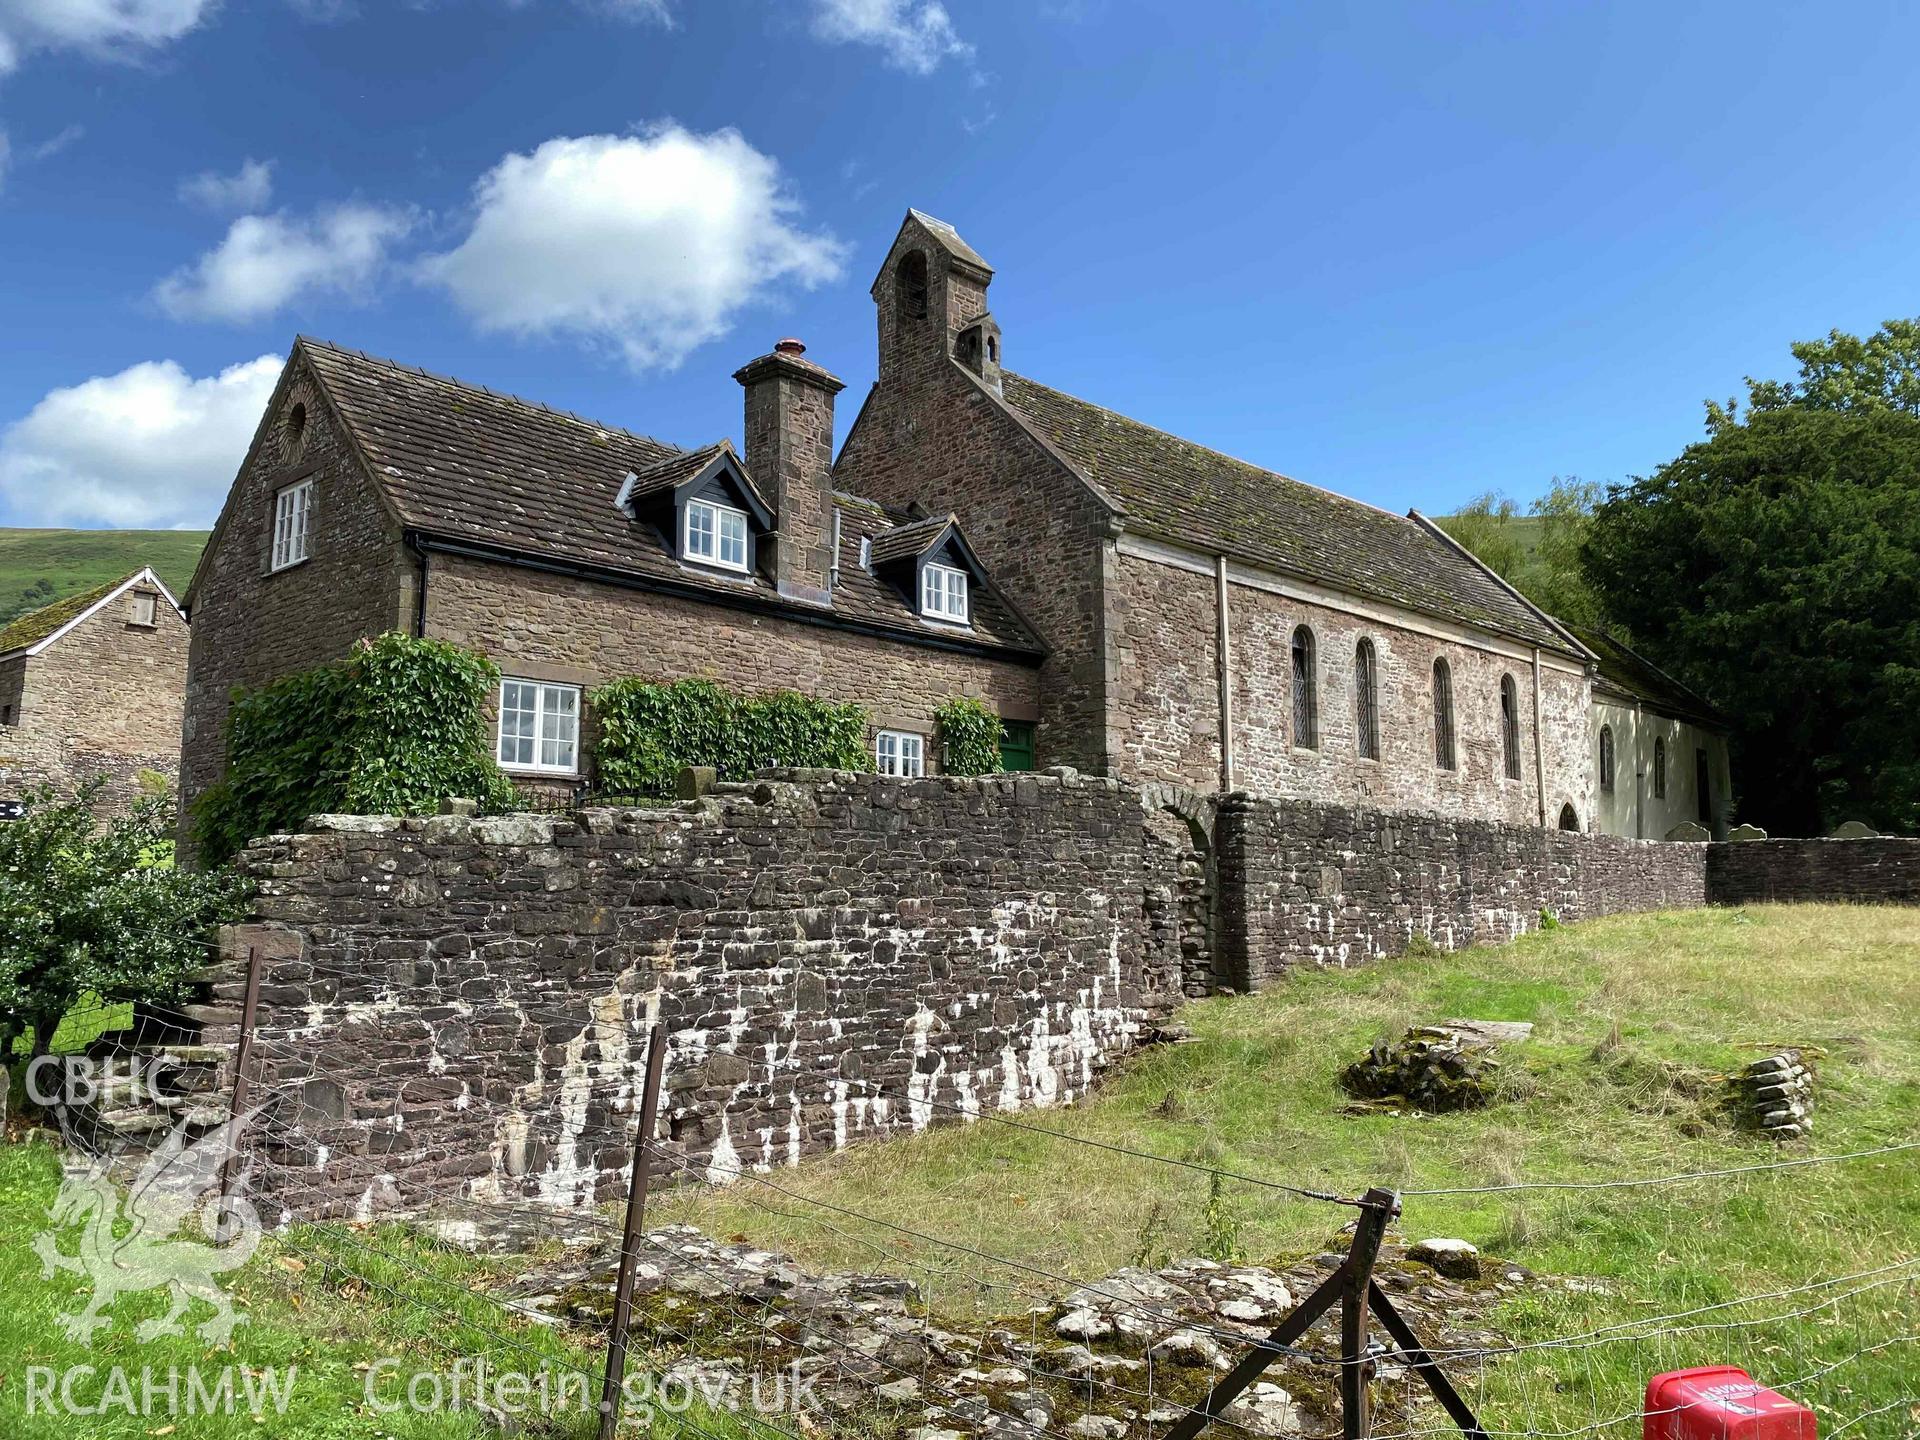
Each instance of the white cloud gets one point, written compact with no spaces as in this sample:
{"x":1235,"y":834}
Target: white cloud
{"x":54,"y":144}
{"x":647,"y":243}
{"x":111,"y":29}
{"x":248,"y":190}
{"x":149,"y":447}
{"x":268,"y":262}
{"x":915,"y":35}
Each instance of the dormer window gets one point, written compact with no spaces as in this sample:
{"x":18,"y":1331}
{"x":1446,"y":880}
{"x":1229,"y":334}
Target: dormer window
{"x":943,"y":593}
{"x":715,"y":535}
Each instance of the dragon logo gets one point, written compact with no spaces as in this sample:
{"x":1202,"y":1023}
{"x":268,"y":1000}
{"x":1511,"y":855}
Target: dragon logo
{"x":178,"y":1181}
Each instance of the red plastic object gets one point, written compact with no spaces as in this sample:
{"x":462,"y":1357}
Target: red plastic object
{"x":1720,"y":1402}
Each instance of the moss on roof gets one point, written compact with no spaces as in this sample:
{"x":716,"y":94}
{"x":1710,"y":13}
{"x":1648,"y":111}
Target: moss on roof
{"x":34,"y":626}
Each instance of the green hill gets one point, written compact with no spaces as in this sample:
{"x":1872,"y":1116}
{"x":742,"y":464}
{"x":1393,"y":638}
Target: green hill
{"x":38,"y":567}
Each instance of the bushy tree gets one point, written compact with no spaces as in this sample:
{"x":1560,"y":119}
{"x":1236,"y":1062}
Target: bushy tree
{"x":97,"y":908}
{"x":1776,"y":567}
{"x":1548,"y":572}
{"x":1485,"y":526}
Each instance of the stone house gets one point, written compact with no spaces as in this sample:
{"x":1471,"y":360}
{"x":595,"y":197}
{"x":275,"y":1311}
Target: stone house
{"x":1131,"y":603}
{"x":378,"y":497}
{"x":1659,"y":749}
{"x":92,"y":687}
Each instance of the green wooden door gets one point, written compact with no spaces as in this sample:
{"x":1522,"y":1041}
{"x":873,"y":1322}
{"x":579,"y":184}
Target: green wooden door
{"x":1016,"y":745}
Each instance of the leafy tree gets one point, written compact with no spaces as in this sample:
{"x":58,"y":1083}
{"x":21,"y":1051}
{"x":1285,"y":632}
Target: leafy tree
{"x":97,"y":908}
{"x":1548,"y":572}
{"x":1776,"y":566}
{"x":1485,"y":526}
{"x":1842,"y":373}
{"x":1554,"y":577}
{"x":970,"y":735}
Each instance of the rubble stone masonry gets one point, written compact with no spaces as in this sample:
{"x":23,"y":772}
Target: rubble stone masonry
{"x":1880,"y":871}
{"x":1307,"y":884}
{"x":101,"y":702}
{"x":460,"y":1006}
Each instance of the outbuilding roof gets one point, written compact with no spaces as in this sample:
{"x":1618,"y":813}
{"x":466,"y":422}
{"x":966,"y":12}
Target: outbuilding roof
{"x":35,"y":630}
{"x":1625,"y":672}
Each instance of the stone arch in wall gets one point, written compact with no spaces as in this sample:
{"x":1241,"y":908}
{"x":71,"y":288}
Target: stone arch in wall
{"x":1182,"y":891}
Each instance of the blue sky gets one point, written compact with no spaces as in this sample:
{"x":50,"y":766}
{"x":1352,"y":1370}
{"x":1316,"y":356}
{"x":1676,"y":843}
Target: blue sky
{"x":1410,"y":252}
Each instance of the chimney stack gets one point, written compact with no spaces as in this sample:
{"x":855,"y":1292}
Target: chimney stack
{"x":789,"y":439}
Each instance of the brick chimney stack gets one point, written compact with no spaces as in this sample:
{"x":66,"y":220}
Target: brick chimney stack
{"x":789,"y":439}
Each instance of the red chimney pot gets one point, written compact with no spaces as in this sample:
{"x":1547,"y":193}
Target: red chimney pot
{"x":789,"y":347}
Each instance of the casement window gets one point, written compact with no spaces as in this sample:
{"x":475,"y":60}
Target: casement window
{"x":292,"y":510}
{"x":1306,"y":704}
{"x":1443,"y":755}
{"x":899,"y":753}
{"x":715,"y":535}
{"x":1510,"y":725}
{"x":1366,"y":701}
{"x":140,"y":609}
{"x":943,"y":593}
{"x":539,"y":727}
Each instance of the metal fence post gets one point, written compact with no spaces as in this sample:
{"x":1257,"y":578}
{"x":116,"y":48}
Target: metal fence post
{"x":1356,"y":1282}
{"x":242,"y":1054}
{"x":610,"y":1392}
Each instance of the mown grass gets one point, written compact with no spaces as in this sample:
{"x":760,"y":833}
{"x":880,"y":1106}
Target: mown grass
{"x":1635,"y":1019}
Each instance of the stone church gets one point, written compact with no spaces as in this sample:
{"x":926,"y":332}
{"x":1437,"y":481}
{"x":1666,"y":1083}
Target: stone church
{"x":1129,"y":602}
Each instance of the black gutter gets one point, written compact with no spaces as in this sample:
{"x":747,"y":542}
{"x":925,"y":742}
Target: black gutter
{"x":426,"y":543}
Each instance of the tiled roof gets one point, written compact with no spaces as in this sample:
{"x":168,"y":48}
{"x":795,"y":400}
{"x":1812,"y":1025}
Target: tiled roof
{"x":36,"y":625}
{"x":950,"y":240}
{"x":912,"y":538}
{"x":466,"y":464}
{"x":670,"y":472}
{"x":1625,"y":672}
{"x":1187,"y":494}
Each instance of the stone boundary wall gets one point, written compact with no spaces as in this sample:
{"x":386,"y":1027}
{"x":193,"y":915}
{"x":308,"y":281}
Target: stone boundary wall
{"x":1304,"y":884}
{"x":459,"y":1004}
{"x":1884,"y":870}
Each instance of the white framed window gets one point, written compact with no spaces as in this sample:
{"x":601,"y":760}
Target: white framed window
{"x":900,"y":753}
{"x":715,"y":535}
{"x":291,"y":509}
{"x":539,"y":727}
{"x":140,"y":609}
{"x":943,"y":593}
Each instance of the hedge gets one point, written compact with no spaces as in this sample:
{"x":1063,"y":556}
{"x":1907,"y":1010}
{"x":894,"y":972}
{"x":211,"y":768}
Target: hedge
{"x":393,"y":729}
{"x":646,"y":731}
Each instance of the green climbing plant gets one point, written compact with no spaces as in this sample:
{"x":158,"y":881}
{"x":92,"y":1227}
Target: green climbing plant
{"x":970,"y":736}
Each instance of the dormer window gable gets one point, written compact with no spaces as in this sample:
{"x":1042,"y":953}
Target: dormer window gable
{"x":933,"y":567}
{"x":707,"y":508}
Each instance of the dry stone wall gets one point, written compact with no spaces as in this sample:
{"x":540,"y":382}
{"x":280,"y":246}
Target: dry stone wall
{"x":1879,"y":871}
{"x":1311,"y":884}
{"x":457,"y":1006}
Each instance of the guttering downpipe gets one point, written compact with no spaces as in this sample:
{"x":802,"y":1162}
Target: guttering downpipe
{"x":1539,"y":742}
{"x":420,"y":594}
{"x":1224,"y":646}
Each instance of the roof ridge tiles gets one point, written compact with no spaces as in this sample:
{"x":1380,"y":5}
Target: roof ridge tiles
{"x":401,"y":365}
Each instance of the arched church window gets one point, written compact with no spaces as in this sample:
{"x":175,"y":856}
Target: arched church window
{"x":1443,"y":753}
{"x":1366,"y":701}
{"x":1510,"y":725}
{"x":1306,"y":713}
{"x":1606,"y":757}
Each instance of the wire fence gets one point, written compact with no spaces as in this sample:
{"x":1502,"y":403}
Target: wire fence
{"x":1131,"y":1354}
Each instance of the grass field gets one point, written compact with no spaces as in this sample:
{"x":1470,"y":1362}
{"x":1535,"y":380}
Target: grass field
{"x":1635,"y":1018}
{"x":38,"y":567}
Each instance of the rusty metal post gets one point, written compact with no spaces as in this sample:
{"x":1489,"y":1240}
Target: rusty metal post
{"x":610,"y":1392}
{"x":1356,"y":1368}
{"x":242,"y":1053}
